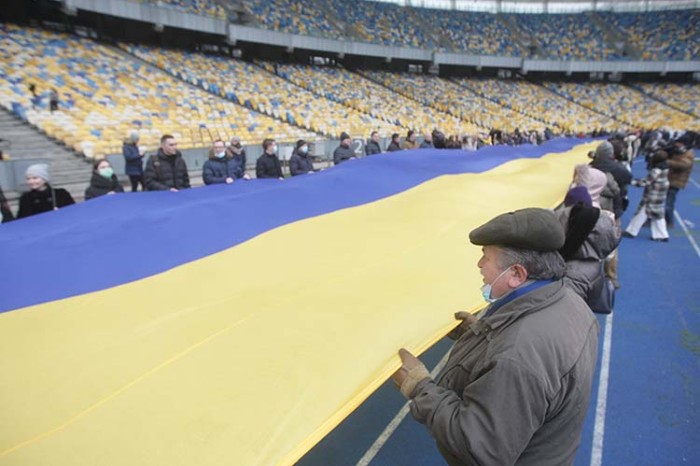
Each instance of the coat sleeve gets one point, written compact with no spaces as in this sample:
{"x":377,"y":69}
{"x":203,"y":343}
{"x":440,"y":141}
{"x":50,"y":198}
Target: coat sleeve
{"x":493,"y":420}
{"x":239,"y":170}
{"x":294,"y":166}
{"x":118,"y":188}
{"x":63,"y":198}
{"x":24,"y":208}
{"x":131,"y":152}
{"x":260,"y":171}
{"x":208,"y":175}
{"x":149,"y":177}
{"x":680,"y":163}
{"x":185,"y":174}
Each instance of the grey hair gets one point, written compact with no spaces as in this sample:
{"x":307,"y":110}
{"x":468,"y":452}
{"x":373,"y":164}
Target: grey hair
{"x":134,"y":136}
{"x":539,"y":265}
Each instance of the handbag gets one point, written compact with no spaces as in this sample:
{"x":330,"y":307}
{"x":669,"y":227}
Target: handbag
{"x":601,"y":297}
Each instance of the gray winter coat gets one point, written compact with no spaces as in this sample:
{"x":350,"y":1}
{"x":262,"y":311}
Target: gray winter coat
{"x":342,"y":153}
{"x":516,"y":387}
{"x":583,"y":268}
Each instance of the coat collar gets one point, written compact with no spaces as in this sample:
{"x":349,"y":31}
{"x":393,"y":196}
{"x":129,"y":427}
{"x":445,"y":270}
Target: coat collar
{"x":528,"y":303}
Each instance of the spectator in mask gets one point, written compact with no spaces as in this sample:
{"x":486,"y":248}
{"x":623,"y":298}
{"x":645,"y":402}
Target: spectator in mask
{"x":221,"y":167}
{"x":41,"y":197}
{"x":343,"y":152}
{"x":301,"y":162}
{"x":236,"y":151}
{"x":516,"y":386}
{"x":103,"y":180}
{"x":372,"y":146}
{"x":268,"y":165}
{"x":394,"y":144}
{"x":427,"y":142}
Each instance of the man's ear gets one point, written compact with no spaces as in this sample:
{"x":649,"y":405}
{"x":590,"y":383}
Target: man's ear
{"x":518,"y":277}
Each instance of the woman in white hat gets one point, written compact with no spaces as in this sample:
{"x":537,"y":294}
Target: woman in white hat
{"x":41,"y":197}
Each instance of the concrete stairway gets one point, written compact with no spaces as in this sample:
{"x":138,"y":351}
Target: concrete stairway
{"x":67,"y":169}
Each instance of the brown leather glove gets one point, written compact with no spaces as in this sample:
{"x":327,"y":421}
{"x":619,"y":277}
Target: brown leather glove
{"x":467,"y":319}
{"x":409,"y":374}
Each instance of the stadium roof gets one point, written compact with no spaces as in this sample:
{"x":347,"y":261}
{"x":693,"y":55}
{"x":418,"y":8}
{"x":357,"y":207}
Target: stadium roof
{"x":546,"y":6}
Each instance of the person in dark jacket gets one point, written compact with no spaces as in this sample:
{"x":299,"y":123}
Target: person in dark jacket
{"x":103,"y":180}
{"x":268,"y":165}
{"x":222,"y":166}
{"x":603,"y":161}
{"x":41,"y":197}
{"x":133,"y":159}
{"x":343,"y":152}
{"x":236,"y":151}
{"x":167,"y":169}
{"x":301,"y":162}
{"x":394,"y":145}
{"x":372,"y":146}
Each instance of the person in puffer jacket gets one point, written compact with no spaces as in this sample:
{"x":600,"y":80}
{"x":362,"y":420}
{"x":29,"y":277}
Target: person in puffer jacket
{"x":222,"y":166}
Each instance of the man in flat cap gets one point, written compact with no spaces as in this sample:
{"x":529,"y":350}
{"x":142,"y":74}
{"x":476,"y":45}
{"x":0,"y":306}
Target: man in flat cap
{"x":516,"y":386}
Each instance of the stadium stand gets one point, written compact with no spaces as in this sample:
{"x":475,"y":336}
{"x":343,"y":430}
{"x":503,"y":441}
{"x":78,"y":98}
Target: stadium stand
{"x":539,"y":103}
{"x":476,"y":33}
{"x":628,"y":106}
{"x":383,"y":23}
{"x":256,"y":88}
{"x":660,"y":35}
{"x":293,"y":16}
{"x":566,"y":36}
{"x":685,"y":97}
{"x":366,"y":96}
{"x":103,"y":97}
{"x":196,"y":7}
{"x":451,"y":98}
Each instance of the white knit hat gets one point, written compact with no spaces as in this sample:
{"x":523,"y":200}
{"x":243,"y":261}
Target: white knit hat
{"x":39,"y":170}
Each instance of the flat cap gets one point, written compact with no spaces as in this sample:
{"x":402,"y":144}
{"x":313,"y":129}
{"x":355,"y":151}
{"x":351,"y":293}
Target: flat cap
{"x":532,"y":228}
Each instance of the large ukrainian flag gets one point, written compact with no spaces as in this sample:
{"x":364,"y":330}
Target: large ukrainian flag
{"x":239,"y":324}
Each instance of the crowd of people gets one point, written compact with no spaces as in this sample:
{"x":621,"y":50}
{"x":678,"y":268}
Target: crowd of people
{"x":516,"y":386}
{"x":669,"y":156}
{"x":543,"y":271}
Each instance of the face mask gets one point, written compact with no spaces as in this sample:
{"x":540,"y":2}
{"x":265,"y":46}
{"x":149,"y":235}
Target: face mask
{"x":486,"y":289}
{"x":303,"y":149}
{"x":220,"y":155}
{"x":237,"y":149}
{"x":274,"y":149}
{"x":107,"y":172}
